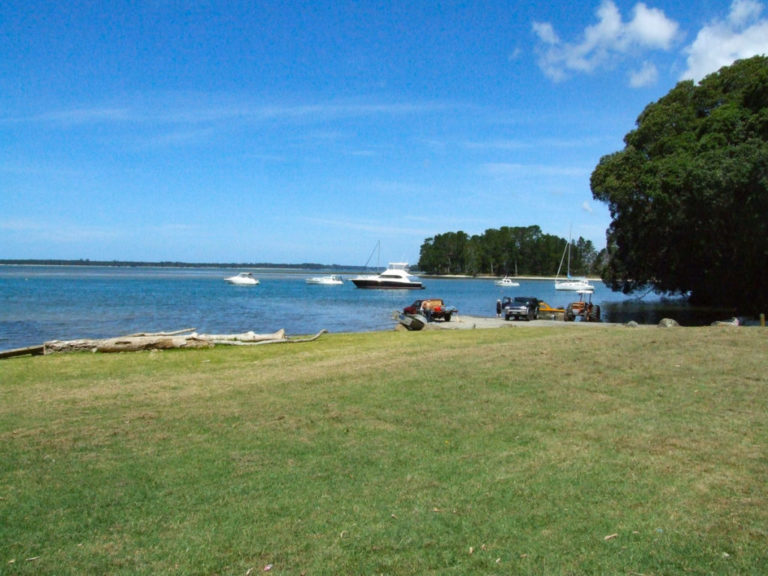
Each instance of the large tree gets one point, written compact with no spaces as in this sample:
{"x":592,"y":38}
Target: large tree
{"x":688,"y":194}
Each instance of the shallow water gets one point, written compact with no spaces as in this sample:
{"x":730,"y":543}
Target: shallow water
{"x":40,"y":303}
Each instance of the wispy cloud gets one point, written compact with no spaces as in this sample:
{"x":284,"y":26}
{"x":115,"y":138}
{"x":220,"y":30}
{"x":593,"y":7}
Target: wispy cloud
{"x":59,"y":232}
{"x":744,"y":33}
{"x":645,"y":76}
{"x":20,"y":225}
{"x":367,"y":226}
{"x":607,"y":42}
{"x":517,"y":169}
{"x":517,"y":144}
{"x":186,"y":111}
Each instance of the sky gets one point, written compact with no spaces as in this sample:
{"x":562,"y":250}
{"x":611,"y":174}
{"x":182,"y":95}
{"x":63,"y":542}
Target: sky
{"x":294,"y":131}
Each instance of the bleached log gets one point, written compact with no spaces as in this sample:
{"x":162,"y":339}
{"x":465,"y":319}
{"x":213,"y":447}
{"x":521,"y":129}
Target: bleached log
{"x":243,"y":337}
{"x":69,"y":346}
{"x":170,"y":340}
{"x":125,"y":344}
{"x":172,"y":333}
{"x":166,"y":341}
{"x":151,"y":343}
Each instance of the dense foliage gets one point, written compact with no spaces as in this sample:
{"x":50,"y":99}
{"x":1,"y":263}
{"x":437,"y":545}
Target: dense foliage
{"x":688,"y":194}
{"x":508,"y":250}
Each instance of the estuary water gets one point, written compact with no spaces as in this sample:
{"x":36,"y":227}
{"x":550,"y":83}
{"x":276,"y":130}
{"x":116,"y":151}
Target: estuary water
{"x":41,"y":303}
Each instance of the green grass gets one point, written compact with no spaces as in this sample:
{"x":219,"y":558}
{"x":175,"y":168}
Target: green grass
{"x":509,"y":451}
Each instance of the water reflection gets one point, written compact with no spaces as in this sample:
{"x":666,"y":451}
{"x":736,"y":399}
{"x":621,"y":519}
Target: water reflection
{"x":651,"y":312}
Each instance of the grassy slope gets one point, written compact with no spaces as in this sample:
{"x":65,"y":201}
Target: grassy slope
{"x":548,"y":451}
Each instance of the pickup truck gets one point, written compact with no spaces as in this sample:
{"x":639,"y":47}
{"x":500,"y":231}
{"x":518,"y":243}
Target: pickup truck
{"x":526,"y":307}
{"x":431,"y":308}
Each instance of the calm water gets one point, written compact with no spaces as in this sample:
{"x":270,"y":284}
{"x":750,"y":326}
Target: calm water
{"x":40,"y":303}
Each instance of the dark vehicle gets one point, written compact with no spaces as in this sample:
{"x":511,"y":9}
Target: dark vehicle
{"x":431,"y":308}
{"x":525,"y":307}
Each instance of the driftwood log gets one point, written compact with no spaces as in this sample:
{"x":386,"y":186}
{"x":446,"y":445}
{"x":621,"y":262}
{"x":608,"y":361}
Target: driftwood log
{"x":169,"y":340}
{"x":186,"y":338}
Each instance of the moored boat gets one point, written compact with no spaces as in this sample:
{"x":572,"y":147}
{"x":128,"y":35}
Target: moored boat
{"x":331,"y":280}
{"x":507,"y":282}
{"x":574,"y":285}
{"x":570,"y":283}
{"x":243,"y":279}
{"x":395,"y":277}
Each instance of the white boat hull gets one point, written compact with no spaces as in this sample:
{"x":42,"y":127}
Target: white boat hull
{"x":377,"y":283}
{"x":243,"y":279}
{"x":326,"y":281}
{"x":395,"y":277}
{"x":574,"y":286}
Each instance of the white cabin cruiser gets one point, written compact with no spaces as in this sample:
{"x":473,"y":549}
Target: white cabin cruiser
{"x":332,"y":280}
{"x":507,"y":282}
{"x":393,"y":278}
{"x":243,"y":279}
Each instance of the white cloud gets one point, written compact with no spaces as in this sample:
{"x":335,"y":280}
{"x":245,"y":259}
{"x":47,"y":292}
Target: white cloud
{"x":742,"y":35}
{"x":605,"y":43}
{"x":651,"y":28}
{"x":646,"y":76}
{"x":587,"y":207}
{"x":545,"y":32}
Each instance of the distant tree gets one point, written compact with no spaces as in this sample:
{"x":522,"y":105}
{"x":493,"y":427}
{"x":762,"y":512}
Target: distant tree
{"x":688,"y":194}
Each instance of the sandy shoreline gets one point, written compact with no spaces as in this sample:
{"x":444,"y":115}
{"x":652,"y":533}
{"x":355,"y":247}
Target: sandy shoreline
{"x":464,"y":322}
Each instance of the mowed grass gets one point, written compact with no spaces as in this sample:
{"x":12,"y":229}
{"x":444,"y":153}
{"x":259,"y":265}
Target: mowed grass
{"x":575,"y":450}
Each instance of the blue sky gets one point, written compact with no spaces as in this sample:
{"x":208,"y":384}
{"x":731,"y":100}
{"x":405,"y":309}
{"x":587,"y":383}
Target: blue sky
{"x":293,"y":131}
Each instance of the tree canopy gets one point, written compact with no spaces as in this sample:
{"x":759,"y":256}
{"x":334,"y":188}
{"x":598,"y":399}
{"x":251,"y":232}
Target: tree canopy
{"x":506,"y":250}
{"x":688,"y":194}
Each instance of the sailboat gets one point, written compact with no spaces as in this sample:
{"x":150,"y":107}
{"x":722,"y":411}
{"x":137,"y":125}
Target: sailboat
{"x":569,"y":283}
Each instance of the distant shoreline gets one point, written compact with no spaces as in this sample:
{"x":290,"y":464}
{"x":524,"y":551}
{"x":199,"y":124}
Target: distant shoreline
{"x":169,"y":264}
{"x":307,"y":266}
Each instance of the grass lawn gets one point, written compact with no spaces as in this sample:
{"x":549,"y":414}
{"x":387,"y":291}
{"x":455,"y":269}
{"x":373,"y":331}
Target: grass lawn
{"x":505,"y":451}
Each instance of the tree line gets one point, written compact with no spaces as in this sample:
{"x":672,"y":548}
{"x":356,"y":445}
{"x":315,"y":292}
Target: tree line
{"x":524,"y":251}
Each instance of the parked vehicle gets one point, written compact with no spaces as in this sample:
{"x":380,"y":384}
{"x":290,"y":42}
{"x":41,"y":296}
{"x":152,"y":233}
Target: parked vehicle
{"x":583,"y":310}
{"x":431,"y":309}
{"x":520,"y":307}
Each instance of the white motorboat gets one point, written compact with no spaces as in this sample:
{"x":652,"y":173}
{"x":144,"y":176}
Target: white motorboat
{"x":395,"y":277}
{"x":507,"y":282}
{"x":331,"y":280}
{"x":243,"y":279}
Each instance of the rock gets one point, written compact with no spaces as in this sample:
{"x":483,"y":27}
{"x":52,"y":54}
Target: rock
{"x":631,"y":324}
{"x":731,"y":322}
{"x":668,"y":323}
